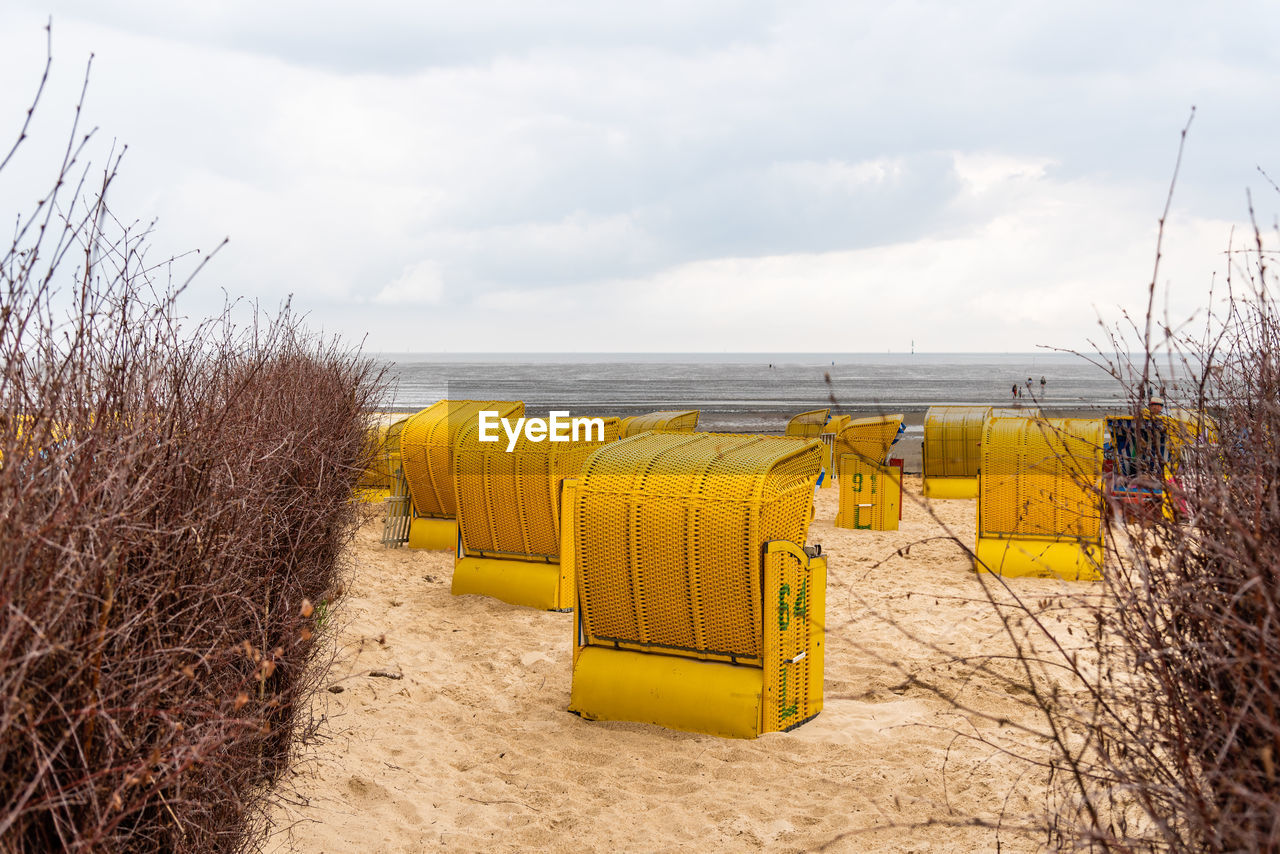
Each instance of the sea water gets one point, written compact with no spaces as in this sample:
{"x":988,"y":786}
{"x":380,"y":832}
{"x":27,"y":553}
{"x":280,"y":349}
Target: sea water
{"x":744,"y":392}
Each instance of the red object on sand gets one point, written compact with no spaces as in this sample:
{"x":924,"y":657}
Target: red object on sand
{"x":898,"y":462}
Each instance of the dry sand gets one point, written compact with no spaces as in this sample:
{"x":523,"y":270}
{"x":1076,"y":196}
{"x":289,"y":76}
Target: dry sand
{"x":473,"y":749}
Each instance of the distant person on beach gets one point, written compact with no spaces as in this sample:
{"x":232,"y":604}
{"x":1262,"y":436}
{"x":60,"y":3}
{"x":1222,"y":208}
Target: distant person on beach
{"x":1028,"y":386}
{"x":1042,"y":385}
{"x":1015,"y":391}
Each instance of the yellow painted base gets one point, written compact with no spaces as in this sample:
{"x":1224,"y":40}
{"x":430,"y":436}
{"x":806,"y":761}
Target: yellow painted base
{"x":950,"y":487}
{"x":1043,"y":558}
{"x":516,"y":582}
{"x":668,"y":690}
{"x":440,"y":535}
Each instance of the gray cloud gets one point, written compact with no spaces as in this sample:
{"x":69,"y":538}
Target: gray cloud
{"x":460,"y":155}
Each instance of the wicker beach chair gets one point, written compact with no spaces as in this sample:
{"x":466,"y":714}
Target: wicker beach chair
{"x":384,"y":457}
{"x":952,"y":441}
{"x":870,"y":437}
{"x":699,"y":608}
{"x":668,"y":421}
{"x":808,"y":424}
{"x":509,"y":516}
{"x":427,"y":441}
{"x":1141,"y":458}
{"x":1040,"y":497}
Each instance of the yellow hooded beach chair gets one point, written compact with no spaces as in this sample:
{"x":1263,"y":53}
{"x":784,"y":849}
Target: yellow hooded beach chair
{"x":808,"y":424}
{"x":952,"y":439}
{"x":384,"y":457}
{"x":509,"y":515}
{"x":1040,"y":497}
{"x":699,"y":608}
{"x":869,"y":437}
{"x":427,"y":441}
{"x":669,"y":420}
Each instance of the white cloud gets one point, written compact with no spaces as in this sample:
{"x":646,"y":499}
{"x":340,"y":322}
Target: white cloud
{"x":982,"y":172}
{"x":420,"y":284}
{"x":729,"y":176}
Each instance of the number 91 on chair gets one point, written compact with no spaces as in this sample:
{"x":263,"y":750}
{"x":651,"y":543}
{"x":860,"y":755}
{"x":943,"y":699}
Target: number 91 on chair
{"x":870,"y":495}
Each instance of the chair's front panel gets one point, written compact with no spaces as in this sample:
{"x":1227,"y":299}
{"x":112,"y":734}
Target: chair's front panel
{"x":794,"y":614}
{"x":870,"y":495}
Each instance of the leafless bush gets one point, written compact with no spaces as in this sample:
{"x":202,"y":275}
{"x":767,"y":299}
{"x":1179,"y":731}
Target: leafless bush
{"x":171,"y":503}
{"x":1188,"y":738}
{"x":1155,"y":723}
{"x":1162,"y":728}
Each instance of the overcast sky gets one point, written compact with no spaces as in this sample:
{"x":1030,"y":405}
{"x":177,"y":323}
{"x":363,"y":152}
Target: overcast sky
{"x":670,"y":176}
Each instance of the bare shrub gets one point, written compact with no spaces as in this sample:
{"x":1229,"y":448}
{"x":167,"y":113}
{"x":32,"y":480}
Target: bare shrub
{"x":1155,"y":694}
{"x":1190,"y":634}
{"x":1162,"y":726}
{"x":172,"y":502}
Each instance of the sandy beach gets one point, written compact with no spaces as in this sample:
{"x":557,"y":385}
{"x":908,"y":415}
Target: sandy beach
{"x":473,"y":749}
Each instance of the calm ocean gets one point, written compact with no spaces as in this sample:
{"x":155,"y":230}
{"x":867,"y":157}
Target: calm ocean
{"x":745,"y":392}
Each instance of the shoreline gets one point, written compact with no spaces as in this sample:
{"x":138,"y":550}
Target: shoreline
{"x":773,"y":419}
{"x":769,"y":421}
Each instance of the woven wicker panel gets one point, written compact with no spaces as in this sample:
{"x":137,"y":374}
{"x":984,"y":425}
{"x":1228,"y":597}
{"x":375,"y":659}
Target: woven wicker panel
{"x":669,"y":536}
{"x":952,"y":438}
{"x":808,"y":424}
{"x":1041,"y":478}
{"x":868,"y":437}
{"x":669,"y":420}
{"x":508,"y":501}
{"x":427,"y":440}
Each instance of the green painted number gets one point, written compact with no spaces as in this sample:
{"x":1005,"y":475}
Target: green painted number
{"x":785,"y":711}
{"x":784,"y":612}
{"x":801,"y":607}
